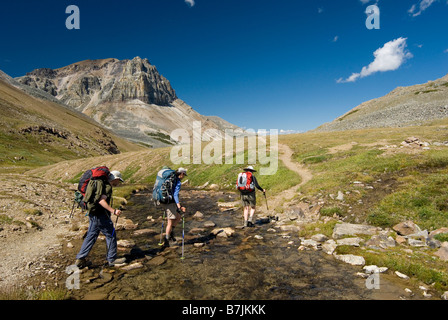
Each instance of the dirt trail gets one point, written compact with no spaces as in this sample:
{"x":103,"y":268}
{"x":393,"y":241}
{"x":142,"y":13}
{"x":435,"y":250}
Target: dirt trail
{"x":285,"y":155}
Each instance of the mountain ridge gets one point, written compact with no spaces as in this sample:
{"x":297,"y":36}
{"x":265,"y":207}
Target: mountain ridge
{"x":403,"y":106}
{"x":129,"y":96}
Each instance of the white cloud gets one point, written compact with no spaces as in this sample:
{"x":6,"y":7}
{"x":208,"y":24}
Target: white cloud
{"x":335,"y":39}
{"x":422,"y":6}
{"x":446,"y":51}
{"x":387,"y":58}
{"x":190,"y":2}
{"x":320,"y":10}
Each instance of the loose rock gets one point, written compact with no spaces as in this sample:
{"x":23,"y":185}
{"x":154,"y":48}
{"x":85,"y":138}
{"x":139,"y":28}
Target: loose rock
{"x":351,"y":259}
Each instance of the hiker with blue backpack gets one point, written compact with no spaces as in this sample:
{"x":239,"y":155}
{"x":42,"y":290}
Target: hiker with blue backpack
{"x":166,"y":193}
{"x":246,"y":184}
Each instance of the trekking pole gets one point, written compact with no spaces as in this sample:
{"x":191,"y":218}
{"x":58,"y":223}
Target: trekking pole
{"x":73,"y":208}
{"x":266,"y":201}
{"x":183,"y":237}
{"x":116,"y":222}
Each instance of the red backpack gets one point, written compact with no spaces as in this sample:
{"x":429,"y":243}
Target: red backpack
{"x":245,"y":182}
{"x":92,"y":174}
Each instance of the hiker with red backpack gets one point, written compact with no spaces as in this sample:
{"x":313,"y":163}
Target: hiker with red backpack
{"x":96,"y":187}
{"x":246,"y":184}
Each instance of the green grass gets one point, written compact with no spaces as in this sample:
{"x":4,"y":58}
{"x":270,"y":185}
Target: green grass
{"x":418,"y":265}
{"x":422,"y":199}
{"x":5,"y":219}
{"x":25,"y":152}
{"x":21,"y":293}
{"x":323,"y":228}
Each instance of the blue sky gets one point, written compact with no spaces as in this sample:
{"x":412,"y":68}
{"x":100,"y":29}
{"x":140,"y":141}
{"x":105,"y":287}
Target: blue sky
{"x":285,"y":64}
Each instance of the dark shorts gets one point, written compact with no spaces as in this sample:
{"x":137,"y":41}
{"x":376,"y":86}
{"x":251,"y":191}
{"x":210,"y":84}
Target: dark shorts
{"x":249,"y":199}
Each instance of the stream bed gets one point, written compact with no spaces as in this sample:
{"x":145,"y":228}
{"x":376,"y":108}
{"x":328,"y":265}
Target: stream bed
{"x":259,"y":263}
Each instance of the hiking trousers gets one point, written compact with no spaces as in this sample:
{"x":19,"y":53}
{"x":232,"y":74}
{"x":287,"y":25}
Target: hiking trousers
{"x":100,"y":223}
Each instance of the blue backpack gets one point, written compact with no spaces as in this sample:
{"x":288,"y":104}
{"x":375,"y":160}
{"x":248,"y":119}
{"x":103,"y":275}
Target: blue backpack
{"x":163,"y":187}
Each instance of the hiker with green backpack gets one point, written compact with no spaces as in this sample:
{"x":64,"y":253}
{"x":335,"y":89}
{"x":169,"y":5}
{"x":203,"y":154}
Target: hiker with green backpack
{"x":98,"y":184}
{"x":166,"y":193}
{"x":246,"y":184}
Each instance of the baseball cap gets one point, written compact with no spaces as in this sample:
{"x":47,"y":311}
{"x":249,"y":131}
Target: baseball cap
{"x":115,"y":175}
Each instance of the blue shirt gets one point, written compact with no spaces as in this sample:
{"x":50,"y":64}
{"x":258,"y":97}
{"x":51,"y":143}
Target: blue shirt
{"x":176,"y":190}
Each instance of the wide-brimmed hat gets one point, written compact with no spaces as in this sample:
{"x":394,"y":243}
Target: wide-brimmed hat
{"x":114,"y":175}
{"x":250,"y":168}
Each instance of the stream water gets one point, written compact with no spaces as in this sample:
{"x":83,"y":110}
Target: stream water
{"x":240,"y":267}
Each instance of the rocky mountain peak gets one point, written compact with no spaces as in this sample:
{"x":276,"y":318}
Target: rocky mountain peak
{"x":91,"y":82}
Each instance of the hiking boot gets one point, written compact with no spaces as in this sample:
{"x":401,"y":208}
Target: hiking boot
{"x":165,"y":243}
{"x":117,"y":262}
{"x":250,"y":224}
{"x":82,"y":263}
{"x":172,"y":238}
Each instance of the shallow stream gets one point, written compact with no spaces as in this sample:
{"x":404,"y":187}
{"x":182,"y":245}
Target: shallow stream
{"x":240,"y":267}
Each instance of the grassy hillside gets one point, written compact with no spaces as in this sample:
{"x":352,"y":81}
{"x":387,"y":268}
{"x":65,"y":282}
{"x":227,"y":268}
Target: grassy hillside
{"x":140,"y":169}
{"x":35,"y":133}
{"x":383,"y":183}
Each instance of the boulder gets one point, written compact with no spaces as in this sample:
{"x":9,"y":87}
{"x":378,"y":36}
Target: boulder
{"x":351,"y":259}
{"x":329,"y":246}
{"x":198,"y":215}
{"x":442,"y":253}
{"x":198,"y":244}
{"x":229,"y":232}
{"x":401,"y":275}
{"x":196,"y":231}
{"x":144,"y":232}
{"x":438,"y":231}
{"x":416,"y":243}
{"x":125,"y":243}
{"x":126,"y":224}
{"x":406,"y":228}
{"x":348,"y":229}
{"x":209,"y":224}
{"x":319,"y":237}
{"x":349,"y":242}
{"x":340,"y":196}
{"x":311,"y":244}
{"x":295,"y":213}
{"x":400,"y":240}
{"x":381,"y":241}
{"x":374,"y":269}
{"x":133,"y":266}
{"x":157,"y":261}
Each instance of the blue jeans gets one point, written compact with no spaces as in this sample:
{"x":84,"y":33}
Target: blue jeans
{"x":100,"y":223}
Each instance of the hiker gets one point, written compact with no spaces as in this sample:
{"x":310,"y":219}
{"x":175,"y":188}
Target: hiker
{"x":100,"y":211}
{"x":246,"y":184}
{"x":173,"y":209}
